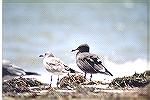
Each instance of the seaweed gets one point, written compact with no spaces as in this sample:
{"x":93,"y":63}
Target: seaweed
{"x":20,"y":85}
{"x":136,"y":80}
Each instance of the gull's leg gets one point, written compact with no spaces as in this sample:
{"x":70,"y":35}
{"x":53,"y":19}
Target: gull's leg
{"x":85,"y":75}
{"x":91,"y":77}
{"x":51,"y":80}
{"x":21,"y":76}
{"x":57,"y":80}
{"x":68,"y":74}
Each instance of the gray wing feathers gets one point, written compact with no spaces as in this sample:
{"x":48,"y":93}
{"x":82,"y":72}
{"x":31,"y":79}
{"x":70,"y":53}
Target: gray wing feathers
{"x":10,"y":70}
{"x":91,"y":63}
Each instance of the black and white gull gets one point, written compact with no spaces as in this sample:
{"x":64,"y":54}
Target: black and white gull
{"x":88,"y":62}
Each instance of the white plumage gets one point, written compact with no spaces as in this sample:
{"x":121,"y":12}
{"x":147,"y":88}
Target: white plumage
{"x":55,"y":65}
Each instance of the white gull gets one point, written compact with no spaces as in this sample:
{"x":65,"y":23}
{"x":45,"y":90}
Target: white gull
{"x":55,"y":66}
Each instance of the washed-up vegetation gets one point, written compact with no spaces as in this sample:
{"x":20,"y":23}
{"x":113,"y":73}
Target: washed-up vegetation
{"x":136,"y":80}
{"x":21,"y":85}
{"x":76,"y":87}
{"x":71,"y":81}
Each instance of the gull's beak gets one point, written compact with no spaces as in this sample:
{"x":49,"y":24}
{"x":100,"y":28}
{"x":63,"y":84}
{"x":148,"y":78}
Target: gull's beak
{"x":73,"y":50}
{"x":41,"y":56}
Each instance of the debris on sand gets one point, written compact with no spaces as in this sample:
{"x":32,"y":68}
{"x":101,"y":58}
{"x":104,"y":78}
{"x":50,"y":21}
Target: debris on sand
{"x":136,"y":80}
{"x":71,"y":81}
{"x":77,"y":87}
{"x":75,"y":80}
{"x":20,"y":85}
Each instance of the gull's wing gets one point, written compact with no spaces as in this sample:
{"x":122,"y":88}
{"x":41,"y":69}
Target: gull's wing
{"x":98,"y":64}
{"x":54,"y":64}
{"x":10,"y":70}
{"x":84,"y":63}
{"x":92,"y":63}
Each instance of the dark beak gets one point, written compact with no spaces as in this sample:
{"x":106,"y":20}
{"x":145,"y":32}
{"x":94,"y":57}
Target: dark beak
{"x":41,"y":56}
{"x":73,"y":50}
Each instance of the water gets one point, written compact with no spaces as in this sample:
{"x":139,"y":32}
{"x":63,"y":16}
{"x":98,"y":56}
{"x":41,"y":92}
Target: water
{"x":117,"y":31}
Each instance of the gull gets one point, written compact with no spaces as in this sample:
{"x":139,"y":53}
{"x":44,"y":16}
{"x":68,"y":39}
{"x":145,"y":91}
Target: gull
{"x":10,"y":71}
{"x":88,"y":62}
{"x":55,"y":65}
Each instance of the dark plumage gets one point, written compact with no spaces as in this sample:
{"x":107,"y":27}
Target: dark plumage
{"x":11,"y":70}
{"x":88,"y":62}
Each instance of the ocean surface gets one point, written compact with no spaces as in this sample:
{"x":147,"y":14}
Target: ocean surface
{"x":117,"y":32}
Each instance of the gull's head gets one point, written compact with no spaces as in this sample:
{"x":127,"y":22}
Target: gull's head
{"x":82,"y":48}
{"x":6,"y":62}
{"x":47,"y":54}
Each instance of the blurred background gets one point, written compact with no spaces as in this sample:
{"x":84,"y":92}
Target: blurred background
{"x":117,"y":31}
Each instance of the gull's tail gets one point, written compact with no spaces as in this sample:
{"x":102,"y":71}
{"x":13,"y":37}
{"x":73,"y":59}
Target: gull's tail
{"x":31,"y":73}
{"x":108,"y":73}
{"x":67,"y":68}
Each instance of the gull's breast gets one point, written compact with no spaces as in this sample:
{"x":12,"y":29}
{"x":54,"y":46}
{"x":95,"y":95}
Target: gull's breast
{"x":53,"y":65}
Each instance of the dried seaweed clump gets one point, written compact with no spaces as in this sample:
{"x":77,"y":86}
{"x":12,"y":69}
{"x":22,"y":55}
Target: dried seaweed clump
{"x":19,"y":85}
{"x":136,"y":80}
{"x":71,"y":81}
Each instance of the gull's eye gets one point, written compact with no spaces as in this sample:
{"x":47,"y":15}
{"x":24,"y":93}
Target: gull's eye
{"x":45,"y":54}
